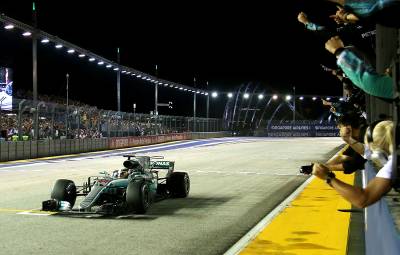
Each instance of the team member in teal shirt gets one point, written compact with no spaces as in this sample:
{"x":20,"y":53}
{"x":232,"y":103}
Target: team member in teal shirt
{"x":385,"y":12}
{"x":360,"y":71}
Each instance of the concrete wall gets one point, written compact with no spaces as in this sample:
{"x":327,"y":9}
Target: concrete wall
{"x":10,"y":151}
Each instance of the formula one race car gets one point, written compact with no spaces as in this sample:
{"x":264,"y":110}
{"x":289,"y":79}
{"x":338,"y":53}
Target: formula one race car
{"x":131,"y":189}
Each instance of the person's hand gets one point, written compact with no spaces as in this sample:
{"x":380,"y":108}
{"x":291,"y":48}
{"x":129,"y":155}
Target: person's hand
{"x":340,"y":16}
{"x":345,"y":133}
{"x":302,"y":18}
{"x":320,"y":170}
{"x":388,"y":71}
{"x":333,"y":44}
{"x":324,"y":102}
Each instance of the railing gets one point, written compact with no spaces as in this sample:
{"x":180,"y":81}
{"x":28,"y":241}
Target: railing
{"x":57,"y":121}
{"x":17,"y":150}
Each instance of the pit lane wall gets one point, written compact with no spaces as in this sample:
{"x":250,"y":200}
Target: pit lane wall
{"x":18,"y":150}
{"x":301,"y":130}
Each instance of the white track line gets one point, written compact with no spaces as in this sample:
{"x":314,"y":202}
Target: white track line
{"x":34,"y":213}
{"x":27,"y":165}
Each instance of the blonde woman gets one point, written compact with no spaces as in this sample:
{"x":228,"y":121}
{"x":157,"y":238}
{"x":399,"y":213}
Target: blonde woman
{"x":379,"y":138}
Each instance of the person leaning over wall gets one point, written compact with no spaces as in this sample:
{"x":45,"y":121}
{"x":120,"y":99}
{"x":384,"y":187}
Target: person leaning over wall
{"x":384,"y":12}
{"x":379,"y":138}
{"x":359,"y":70}
{"x":352,"y":129}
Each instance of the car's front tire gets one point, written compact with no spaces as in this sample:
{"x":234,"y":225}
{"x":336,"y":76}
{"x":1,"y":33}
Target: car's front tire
{"x":138,"y":197}
{"x":64,"y":190}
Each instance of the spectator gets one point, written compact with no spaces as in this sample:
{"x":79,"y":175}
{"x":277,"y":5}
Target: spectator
{"x":359,"y":71}
{"x":83,"y":122}
{"x":302,"y":18}
{"x":362,"y":36}
{"x":350,"y":159}
{"x":379,"y":138}
{"x":354,"y":98}
{"x":385,"y":12}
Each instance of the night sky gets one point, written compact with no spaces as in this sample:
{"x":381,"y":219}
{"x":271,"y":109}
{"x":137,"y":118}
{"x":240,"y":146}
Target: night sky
{"x":226,"y":44}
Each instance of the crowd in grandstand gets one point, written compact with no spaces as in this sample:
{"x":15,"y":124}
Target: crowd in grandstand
{"x":84,"y":121}
{"x":372,"y":142}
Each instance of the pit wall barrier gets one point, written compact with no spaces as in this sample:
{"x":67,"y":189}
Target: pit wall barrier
{"x":18,"y":150}
{"x":381,"y":234}
{"x":301,"y":130}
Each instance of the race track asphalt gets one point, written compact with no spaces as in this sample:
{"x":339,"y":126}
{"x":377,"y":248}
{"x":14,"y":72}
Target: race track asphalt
{"x":234,"y":183}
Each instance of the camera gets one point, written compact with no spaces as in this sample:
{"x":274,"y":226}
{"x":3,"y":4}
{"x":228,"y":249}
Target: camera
{"x":307,"y":169}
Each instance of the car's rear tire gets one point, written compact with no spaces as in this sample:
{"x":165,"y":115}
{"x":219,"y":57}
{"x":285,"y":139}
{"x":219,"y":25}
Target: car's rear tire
{"x":138,"y":196}
{"x":178,"y":184}
{"x":64,"y":190}
{"x":162,"y":189}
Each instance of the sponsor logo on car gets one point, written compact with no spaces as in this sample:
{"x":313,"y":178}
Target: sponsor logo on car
{"x":160,"y":164}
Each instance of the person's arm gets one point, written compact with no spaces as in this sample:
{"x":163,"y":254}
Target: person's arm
{"x":359,"y":71}
{"x":324,"y":102}
{"x":345,"y":134}
{"x":347,"y":166}
{"x":350,"y":18}
{"x":315,"y":27}
{"x":335,"y":167}
{"x":363,"y":75}
{"x":357,"y":196}
{"x":338,"y":159}
{"x":302,"y":18}
{"x":343,"y":17}
{"x":357,"y":146}
{"x":336,"y":163}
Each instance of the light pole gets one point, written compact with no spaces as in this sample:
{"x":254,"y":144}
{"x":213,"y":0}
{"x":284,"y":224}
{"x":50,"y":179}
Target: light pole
{"x":294,"y":109}
{"x":156,"y":94}
{"x":34,"y":68}
{"x":134,"y":112}
{"x":118,"y":82}
{"x":194,"y":105}
{"x":34,"y":54}
{"x":156,"y":102}
{"x":67,"y":115}
{"x":208,"y":110}
{"x":294,"y":104}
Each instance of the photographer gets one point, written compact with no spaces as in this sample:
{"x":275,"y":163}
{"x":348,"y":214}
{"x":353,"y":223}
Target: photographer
{"x":350,"y":159}
{"x":379,"y":138}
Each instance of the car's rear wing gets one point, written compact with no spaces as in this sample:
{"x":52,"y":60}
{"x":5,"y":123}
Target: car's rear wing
{"x":162,"y":165}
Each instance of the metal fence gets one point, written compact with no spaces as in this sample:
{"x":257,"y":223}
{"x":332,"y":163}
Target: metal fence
{"x":57,"y":121}
{"x":16,"y":150}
